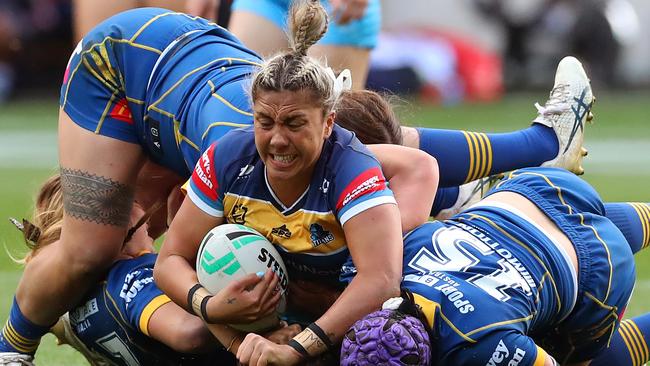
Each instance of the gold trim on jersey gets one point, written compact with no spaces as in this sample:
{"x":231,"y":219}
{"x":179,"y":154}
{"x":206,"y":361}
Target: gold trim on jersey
{"x":263,"y":216}
{"x":150,"y":21}
{"x":229,"y":124}
{"x":90,"y":49}
{"x":188,"y":74}
{"x":111,"y":100}
{"x":540,"y":360}
{"x":480,"y":155}
{"x":223,"y":100}
{"x":148,"y":311}
{"x":570,"y":210}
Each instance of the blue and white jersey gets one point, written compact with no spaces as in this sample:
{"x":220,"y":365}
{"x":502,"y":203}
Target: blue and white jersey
{"x":113,"y":318}
{"x":230,"y":181}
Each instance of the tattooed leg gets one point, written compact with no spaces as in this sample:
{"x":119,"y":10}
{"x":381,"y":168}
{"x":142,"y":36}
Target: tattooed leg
{"x":93,"y":198}
{"x":98,"y":175}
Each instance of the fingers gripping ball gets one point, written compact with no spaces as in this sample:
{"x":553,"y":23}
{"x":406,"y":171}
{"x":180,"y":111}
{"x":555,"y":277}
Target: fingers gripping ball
{"x":386,"y":337}
{"x":229,"y":252}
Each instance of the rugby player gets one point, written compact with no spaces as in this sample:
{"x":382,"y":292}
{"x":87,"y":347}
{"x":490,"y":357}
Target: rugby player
{"x":534,"y":274}
{"x":125,"y":319}
{"x":137,"y":110}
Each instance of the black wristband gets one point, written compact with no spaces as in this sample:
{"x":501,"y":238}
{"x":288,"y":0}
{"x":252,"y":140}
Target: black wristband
{"x":204,"y":305}
{"x":190,"y":295}
{"x":321,"y":334}
{"x":298,"y":347}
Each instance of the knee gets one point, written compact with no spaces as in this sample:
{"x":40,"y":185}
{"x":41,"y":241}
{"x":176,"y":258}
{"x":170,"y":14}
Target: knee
{"x":91,"y":260}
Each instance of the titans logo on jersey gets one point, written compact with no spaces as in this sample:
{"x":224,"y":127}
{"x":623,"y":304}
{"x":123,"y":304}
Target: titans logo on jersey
{"x":230,"y":181}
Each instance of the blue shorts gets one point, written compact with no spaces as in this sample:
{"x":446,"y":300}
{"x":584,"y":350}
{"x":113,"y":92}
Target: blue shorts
{"x":606,"y":272}
{"x":164,"y":80}
{"x":361,"y":33}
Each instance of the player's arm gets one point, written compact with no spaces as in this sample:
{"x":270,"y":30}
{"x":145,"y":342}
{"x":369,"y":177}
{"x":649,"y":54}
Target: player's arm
{"x":413,"y":178}
{"x":174,"y":270}
{"x":375,"y":243}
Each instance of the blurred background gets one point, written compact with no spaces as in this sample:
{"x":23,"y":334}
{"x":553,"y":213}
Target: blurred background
{"x":463,"y":64}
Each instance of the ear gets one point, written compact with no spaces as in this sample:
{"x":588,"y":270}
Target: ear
{"x":329,"y":124}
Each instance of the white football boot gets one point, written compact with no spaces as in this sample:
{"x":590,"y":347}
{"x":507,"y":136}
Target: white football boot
{"x":469,"y":194}
{"x":566,"y":111}
{"x":16,"y":359}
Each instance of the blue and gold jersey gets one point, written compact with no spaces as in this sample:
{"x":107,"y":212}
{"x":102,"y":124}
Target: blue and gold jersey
{"x":113,"y":318}
{"x":167,"y":81}
{"x":481,"y":295}
{"x":496,"y":290}
{"x":230,"y":181}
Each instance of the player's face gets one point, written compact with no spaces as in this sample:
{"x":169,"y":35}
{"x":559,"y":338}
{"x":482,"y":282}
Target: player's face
{"x":290,"y":129}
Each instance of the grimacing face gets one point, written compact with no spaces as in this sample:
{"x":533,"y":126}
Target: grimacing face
{"x":290,"y":129}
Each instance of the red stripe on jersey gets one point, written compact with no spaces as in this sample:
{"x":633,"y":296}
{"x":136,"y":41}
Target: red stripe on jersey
{"x":372,"y":180}
{"x":122,"y":112}
{"x":204,"y":176}
{"x":67,"y":74}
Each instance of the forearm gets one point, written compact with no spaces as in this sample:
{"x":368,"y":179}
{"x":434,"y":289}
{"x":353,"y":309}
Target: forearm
{"x":174,"y":275}
{"x":230,"y":338}
{"x":364,"y":294}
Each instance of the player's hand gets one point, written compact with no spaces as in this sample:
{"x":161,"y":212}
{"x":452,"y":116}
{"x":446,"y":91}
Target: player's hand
{"x":245,"y":300}
{"x":283,"y":334}
{"x":256,"y":350}
{"x":204,"y":8}
{"x":345,"y":11}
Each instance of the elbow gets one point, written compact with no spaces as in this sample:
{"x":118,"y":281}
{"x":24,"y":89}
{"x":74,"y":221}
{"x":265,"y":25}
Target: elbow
{"x":192,"y":337}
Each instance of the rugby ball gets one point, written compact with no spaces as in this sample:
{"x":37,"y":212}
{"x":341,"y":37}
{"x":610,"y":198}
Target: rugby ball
{"x":231,"y":251}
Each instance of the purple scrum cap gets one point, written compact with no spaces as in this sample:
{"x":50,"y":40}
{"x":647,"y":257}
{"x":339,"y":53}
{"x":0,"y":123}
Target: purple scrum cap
{"x":386,"y":337}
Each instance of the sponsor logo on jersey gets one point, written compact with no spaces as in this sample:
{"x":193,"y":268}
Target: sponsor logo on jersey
{"x":121,"y":112}
{"x":80,"y":313}
{"x":130,"y":288}
{"x":281,"y":231}
{"x":238,"y":214}
{"x":325,"y":186}
{"x":319,"y":235}
{"x":245,"y":171}
{"x":372,"y":180}
{"x":501,"y":353}
{"x":203,"y":176}
{"x":273,"y":264}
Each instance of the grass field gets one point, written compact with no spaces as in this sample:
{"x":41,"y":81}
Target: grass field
{"x":618,"y":166}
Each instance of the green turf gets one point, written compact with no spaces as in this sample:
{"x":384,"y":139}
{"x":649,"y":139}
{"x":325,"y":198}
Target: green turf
{"x":618,"y":117}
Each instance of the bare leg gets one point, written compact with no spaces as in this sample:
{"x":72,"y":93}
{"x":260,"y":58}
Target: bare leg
{"x":345,"y":57}
{"x":264,"y":37}
{"x":98,"y":179}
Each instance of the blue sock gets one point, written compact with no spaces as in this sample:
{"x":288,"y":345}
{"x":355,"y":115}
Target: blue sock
{"x":467,"y":156}
{"x":633,"y":219}
{"x":19,"y":334}
{"x":445,"y":198}
{"x":629,"y":345}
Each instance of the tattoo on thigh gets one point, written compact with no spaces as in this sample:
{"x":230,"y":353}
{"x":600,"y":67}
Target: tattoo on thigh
{"x":94,"y":198}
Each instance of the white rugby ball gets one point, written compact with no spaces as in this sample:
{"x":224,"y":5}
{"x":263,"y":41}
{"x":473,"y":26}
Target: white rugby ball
{"x":231,"y":251}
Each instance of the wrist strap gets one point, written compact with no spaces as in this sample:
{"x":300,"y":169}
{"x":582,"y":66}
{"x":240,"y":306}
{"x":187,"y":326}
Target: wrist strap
{"x":311,"y":342}
{"x":298,"y":347}
{"x":190,"y":296}
{"x":198,"y":298}
{"x":321,"y":334}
